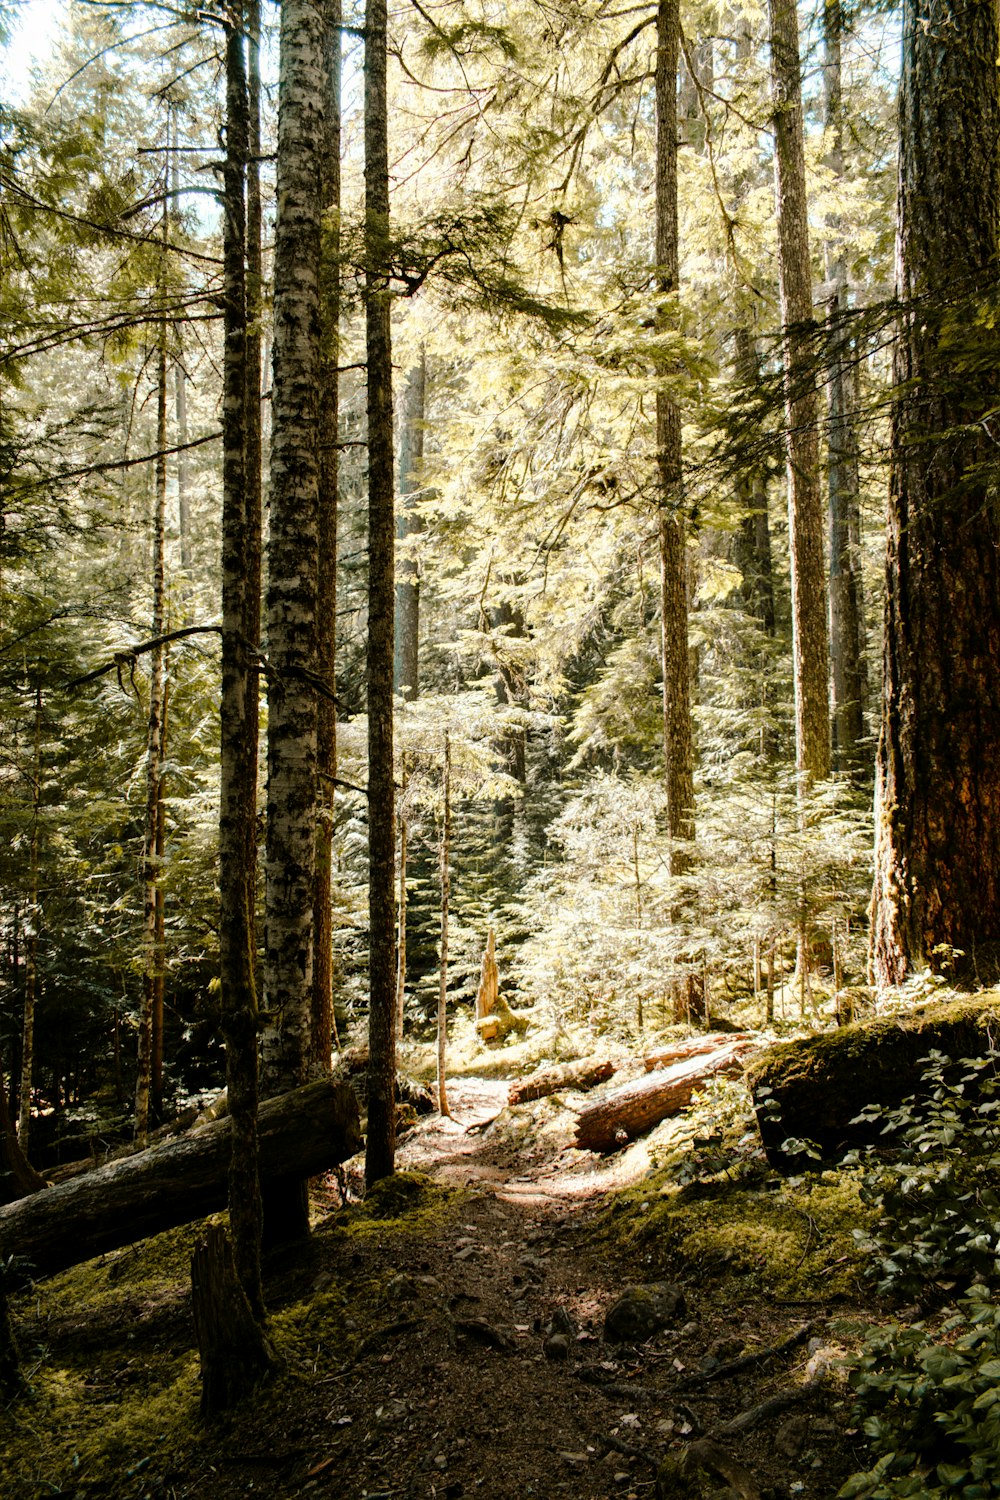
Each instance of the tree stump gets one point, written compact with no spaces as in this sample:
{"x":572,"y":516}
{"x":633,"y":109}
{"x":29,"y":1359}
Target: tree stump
{"x":236,"y":1353}
{"x":489,"y":980}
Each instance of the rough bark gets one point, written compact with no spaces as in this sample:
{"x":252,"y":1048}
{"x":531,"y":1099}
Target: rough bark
{"x":445,"y":856}
{"x":937,"y":876}
{"x":404,"y":825}
{"x":238,"y":715}
{"x":235,"y":1352}
{"x":406,"y":664}
{"x":752,"y":543}
{"x":488,"y":990}
{"x":18,"y":1177}
{"x":300,"y":1133}
{"x":678,"y":746}
{"x":31,"y":941}
{"x":846,"y":625}
{"x":323,"y":1026}
{"x":381,"y":1147}
{"x":814,"y":1088}
{"x":580,"y":1076}
{"x":805,"y":501}
{"x":636,"y":1107}
{"x":154,"y":745}
{"x":292,"y":551}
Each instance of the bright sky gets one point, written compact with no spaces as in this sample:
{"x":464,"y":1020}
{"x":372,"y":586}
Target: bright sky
{"x":34,"y":28}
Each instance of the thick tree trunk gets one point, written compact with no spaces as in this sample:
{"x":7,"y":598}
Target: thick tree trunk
{"x":406,"y":665}
{"x":381,"y":1148}
{"x":636,"y":1107}
{"x":678,"y":748}
{"x":937,"y":856}
{"x":235,"y":1351}
{"x":401,"y":917}
{"x":18,"y":1177}
{"x":292,"y":550}
{"x":159,"y":918}
{"x":323,"y":1026}
{"x":238,"y":756}
{"x":301,"y":1133}
{"x":846,"y":626}
{"x":805,"y":503}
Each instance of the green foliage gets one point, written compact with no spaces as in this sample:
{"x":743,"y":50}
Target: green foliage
{"x":930,"y":1403}
{"x":938,"y":1185}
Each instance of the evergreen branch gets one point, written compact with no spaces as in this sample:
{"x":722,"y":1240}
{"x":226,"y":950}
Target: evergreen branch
{"x":121,"y":463}
{"x":39,"y":204}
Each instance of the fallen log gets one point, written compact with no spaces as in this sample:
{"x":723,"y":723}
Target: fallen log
{"x":696,"y":1046}
{"x":813,"y":1089}
{"x":579,"y":1075}
{"x":300,"y":1133}
{"x":636,"y":1107}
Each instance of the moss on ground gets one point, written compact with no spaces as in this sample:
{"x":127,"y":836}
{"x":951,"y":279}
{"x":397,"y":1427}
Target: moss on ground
{"x":780,"y":1239}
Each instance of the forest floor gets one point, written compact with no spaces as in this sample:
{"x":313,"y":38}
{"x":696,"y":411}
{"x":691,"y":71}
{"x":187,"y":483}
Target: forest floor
{"x":444,"y":1338}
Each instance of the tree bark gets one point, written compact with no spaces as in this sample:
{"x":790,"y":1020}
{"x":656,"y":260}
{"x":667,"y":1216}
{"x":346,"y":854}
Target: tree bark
{"x":937,"y":855}
{"x":380,"y":1155}
{"x":234,"y":1350}
{"x":805,"y":503}
{"x":18,"y":1177}
{"x":323,"y":1025}
{"x":301,"y":1133}
{"x":488,"y":991}
{"x":401,"y":917}
{"x":636,"y":1107}
{"x":292,"y":551}
{"x":678,"y":746}
{"x":239,"y":716}
{"x":406,"y":663}
{"x":846,"y":626}
{"x":31,"y":944}
{"x":445,"y":855}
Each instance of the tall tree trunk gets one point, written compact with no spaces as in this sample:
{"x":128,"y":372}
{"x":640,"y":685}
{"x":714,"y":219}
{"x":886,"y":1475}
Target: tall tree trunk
{"x":159,"y":918}
{"x":445,"y":856}
{"x":31,"y":946}
{"x":154,"y":737}
{"x":846,"y":626}
{"x":677,"y":739}
{"x":406,"y":666}
{"x":253,"y":474}
{"x":805,"y":502}
{"x":292,"y":549}
{"x":180,"y":401}
{"x":381,"y":1145}
{"x":937,"y":854}
{"x":238,"y":794}
{"x":323,"y":1027}
{"x":401,"y":941}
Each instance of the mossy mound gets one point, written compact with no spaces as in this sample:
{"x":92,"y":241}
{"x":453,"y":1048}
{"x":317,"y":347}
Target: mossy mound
{"x":813,"y":1088}
{"x":781,"y":1240}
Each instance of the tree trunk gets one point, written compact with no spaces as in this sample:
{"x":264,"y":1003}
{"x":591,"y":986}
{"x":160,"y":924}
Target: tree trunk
{"x":381,"y":1148}
{"x":636,"y":1107}
{"x":752,"y":547}
{"x":323,"y":1026}
{"x":31,"y":947}
{"x":301,"y":1133}
{"x":235,"y":1351}
{"x":677,"y":740}
{"x":805,"y":504}
{"x":406,"y":674}
{"x":846,"y":626}
{"x":154,"y":738}
{"x":18,"y":1177}
{"x":159,"y":919}
{"x":937,"y":855}
{"x":292,"y":552}
{"x":489,"y":979}
{"x":238,"y":754}
{"x":401,"y":920}
{"x":442,"y":1011}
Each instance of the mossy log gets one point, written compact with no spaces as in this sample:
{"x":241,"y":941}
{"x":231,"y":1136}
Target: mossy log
{"x":579,"y":1075}
{"x":300,"y":1133}
{"x":813,"y":1088}
{"x":636,"y":1107}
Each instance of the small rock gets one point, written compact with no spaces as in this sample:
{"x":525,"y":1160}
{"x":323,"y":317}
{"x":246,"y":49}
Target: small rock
{"x":791,"y":1436}
{"x":322,"y":1281}
{"x":726,"y":1348}
{"x":556,"y":1347}
{"x":391,"y":1413}
{"x":467,"y":1253}
{"x":402,"y":1288}
{"x":642,"y":1311}
{"x":562,"y":1321}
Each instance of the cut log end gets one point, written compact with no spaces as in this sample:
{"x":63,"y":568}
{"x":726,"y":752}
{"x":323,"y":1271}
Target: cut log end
{"x":236,"y":1353}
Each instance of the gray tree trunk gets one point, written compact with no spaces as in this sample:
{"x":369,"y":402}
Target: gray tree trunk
{"x":445,"y":872}
{"x":409,"y":525}
{"x":805,"y":501}
{"x":381,"y":1146}
{"x":677,"y":739}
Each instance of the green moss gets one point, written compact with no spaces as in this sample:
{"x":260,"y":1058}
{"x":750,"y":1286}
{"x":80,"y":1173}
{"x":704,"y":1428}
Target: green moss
{"x":783,"y":1240}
